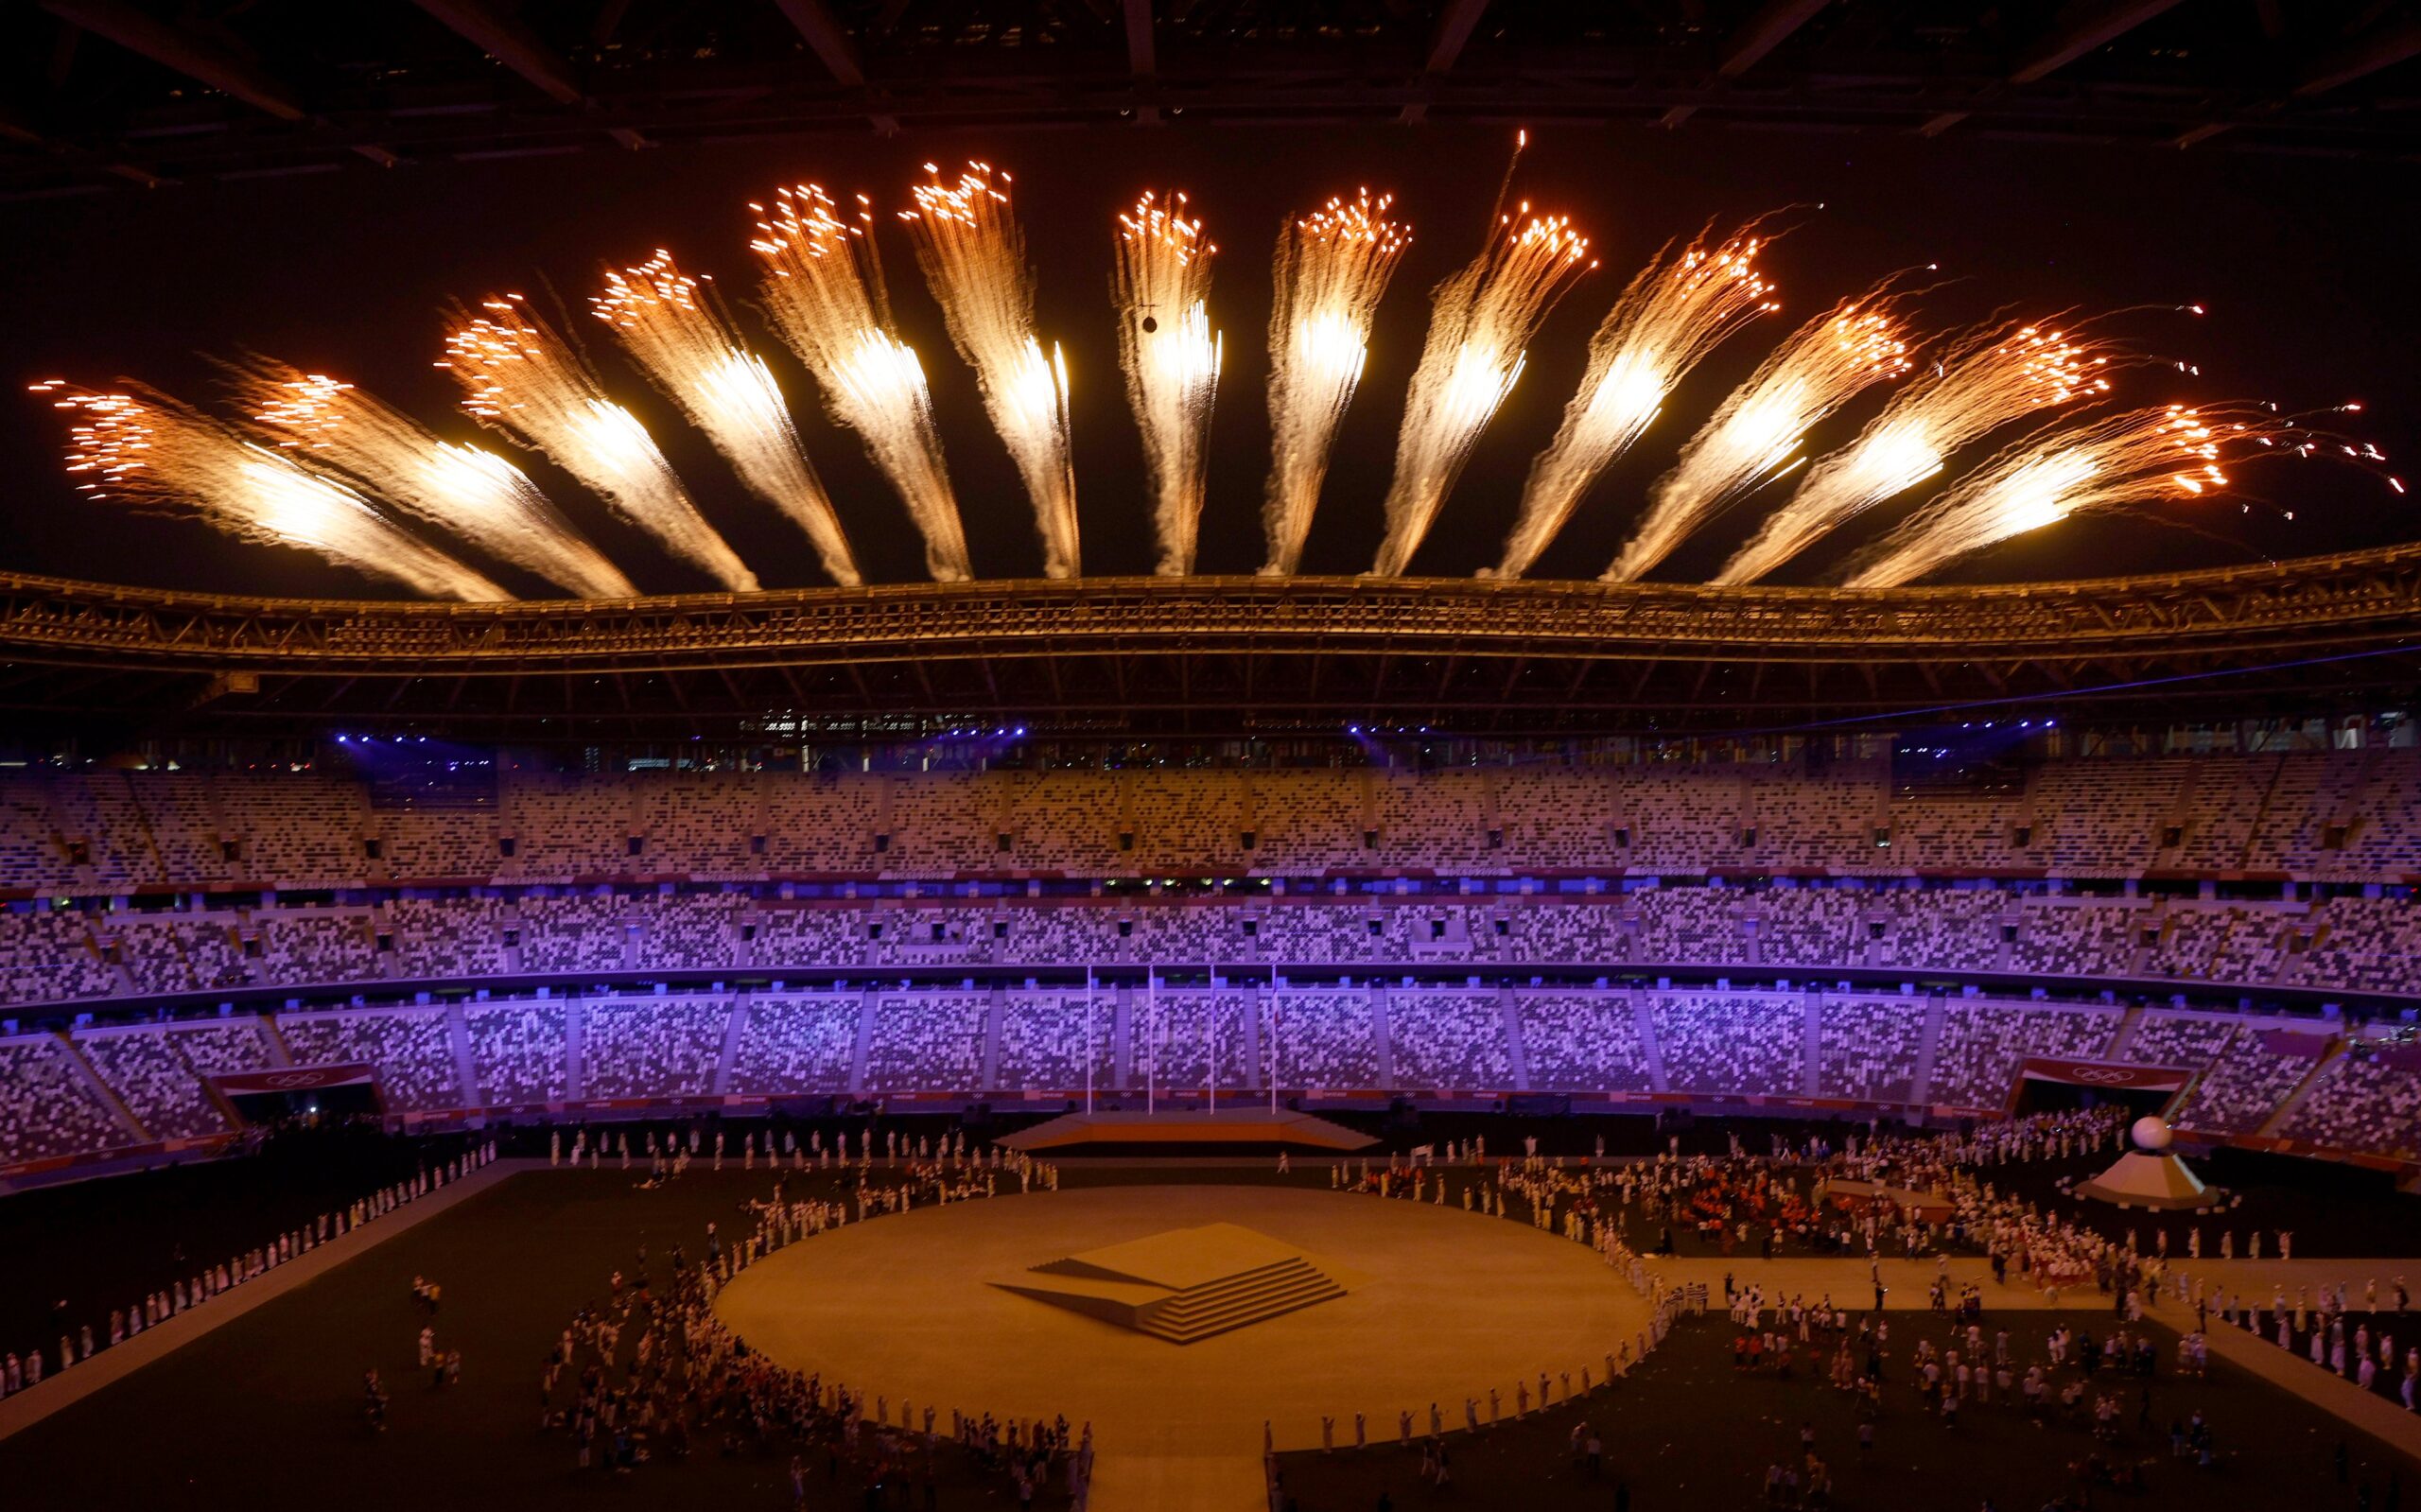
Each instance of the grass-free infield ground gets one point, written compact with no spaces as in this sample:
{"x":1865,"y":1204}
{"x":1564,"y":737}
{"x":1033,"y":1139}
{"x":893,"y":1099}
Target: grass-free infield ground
{"x":1688,"y":1430}
{"x":265,"y":1410}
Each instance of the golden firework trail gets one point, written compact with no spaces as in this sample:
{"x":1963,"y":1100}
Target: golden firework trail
{"x":386,"y":454}
{"x":973,"y":256}
{"x":1480,"y":325}
{"x":1679,"y":308}
{"x":151,"y":452}
{"x":824,"y":296}
{"x":1328,"y":275}
{"x":2174,"y":452}
{"x":522,"y":379}
{"x":1757,"y":432}
{"x":688,"y":348}
{"x":1987,"y":380}
{"x":1171,"y":356}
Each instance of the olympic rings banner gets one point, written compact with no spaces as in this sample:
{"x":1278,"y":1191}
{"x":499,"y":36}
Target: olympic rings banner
{"x":2103,"y":1073}
{"x":293,"y":1078}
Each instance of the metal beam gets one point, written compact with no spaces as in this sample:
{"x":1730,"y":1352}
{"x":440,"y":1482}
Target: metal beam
{"x":1759,"y":35}
{"x":1142,"y":54}
{"x":825,"y":38}
{"x":1763,"y":32}
{"x":1454,"y":26}
{"x":2384,"y":49}
{"x":172,"y":47}
{"x":506,"y":39}
{"x":2083,"y":29}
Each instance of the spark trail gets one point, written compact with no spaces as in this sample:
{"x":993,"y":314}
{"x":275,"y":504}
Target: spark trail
{"x":1758,"y":429}
{"x":382,"y":452}
{"x":824,"y":295}
{"x":1480,"y":325}
{"x":522,"y":380}
{"x":688,"y":348}
{"x":2128,"y":459}
{"x":1170,"y":355}
{"x":1679,"y":308}
{"x":973,"y":256}
{"x":1328,"y":275}
{"x":151,"y":452}
{"x":1990,"y":379}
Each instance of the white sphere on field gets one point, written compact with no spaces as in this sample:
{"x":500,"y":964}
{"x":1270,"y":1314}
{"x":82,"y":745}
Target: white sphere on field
{"x":2151,"y":1133}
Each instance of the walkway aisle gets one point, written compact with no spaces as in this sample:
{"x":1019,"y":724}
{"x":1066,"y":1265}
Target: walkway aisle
{"x":66,"y":1387}
{"x":1177,"y":1483}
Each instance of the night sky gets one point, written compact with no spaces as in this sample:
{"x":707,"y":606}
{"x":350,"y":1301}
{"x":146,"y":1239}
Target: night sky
{"x":2304,"y":267}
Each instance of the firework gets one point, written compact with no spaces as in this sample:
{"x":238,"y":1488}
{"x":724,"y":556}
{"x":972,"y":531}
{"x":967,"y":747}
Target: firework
{"x":973,"y":256}
{"x":1757,"y":432}
{"x":1328,"y":272}
{"x":824,"y":295}
{"x":1480,"y":324}
{"x":1990,"y":379}
{"x":688,"y":348}
{"x":1162,"y":285}
{"x":142,"y":449}
{"x":2128,"y":459}
{"x":475,"y":494}
{"x":1678,"y":309}
{"x":525,"y":382}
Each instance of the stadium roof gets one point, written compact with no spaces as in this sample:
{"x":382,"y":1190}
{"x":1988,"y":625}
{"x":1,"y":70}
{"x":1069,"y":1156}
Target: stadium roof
{"x":1147,"y":657}
{"x":102,"y":93}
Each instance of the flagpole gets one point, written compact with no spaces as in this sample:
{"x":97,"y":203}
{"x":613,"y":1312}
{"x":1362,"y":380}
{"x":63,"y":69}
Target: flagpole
{"x":1088,"y":1036}
{"x":1151,"y":1047}
{"x":1272,"y":1044}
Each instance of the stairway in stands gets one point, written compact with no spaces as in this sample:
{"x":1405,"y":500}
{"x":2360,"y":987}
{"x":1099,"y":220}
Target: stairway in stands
{"x":1233,"y":1301}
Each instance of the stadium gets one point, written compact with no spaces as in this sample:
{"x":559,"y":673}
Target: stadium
{"x":671,"y":836}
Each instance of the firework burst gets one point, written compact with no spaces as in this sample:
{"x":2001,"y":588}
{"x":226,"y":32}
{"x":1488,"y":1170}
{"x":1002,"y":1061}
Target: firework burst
{"x":2174,"y":452}
{"x":1328,"y":275}
{"x":143,"y":449}
{"x":525,"y":382}
{"x":1678,"y":309}
{"x":688,"y":348}
{"x":1161,"y":287}
{"x":973,"y":256}
{"x":1757,"y":432}
{"x":1990,"y":379}
{"x":824,"y":295}
{"x":1480,"y":325}
{"x":474,"y":494}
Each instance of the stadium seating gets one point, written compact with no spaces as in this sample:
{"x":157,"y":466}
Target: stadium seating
{"x":1582,"y":1042}
{"x":519,"y":1053}
{"x":730,"y":875}
{"x":651,"y":1047}
{"x":2366,"y":1102}
{"x":1063,"y":1040}
{"x":791,"y":1046}
{"x":928,"y":1042}
{"x":1984,"y":1042}
{"x":47,"y":1109}
{"x":1448,"y":1039}
{"x":2252,"y":1074}
{"x":1868,"y":1048}
{"x":412,"y":1048}
{"x":1753,"y":1043}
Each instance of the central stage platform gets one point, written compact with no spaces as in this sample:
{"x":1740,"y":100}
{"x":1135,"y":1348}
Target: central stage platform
{"x":1188,"y":1283}
{"x":1432,"y":1304}
{"x":1242,"y":1126}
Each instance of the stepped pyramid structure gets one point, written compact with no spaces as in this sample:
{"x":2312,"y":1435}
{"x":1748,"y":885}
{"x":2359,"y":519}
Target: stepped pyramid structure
{"x":1187,"y":1284}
